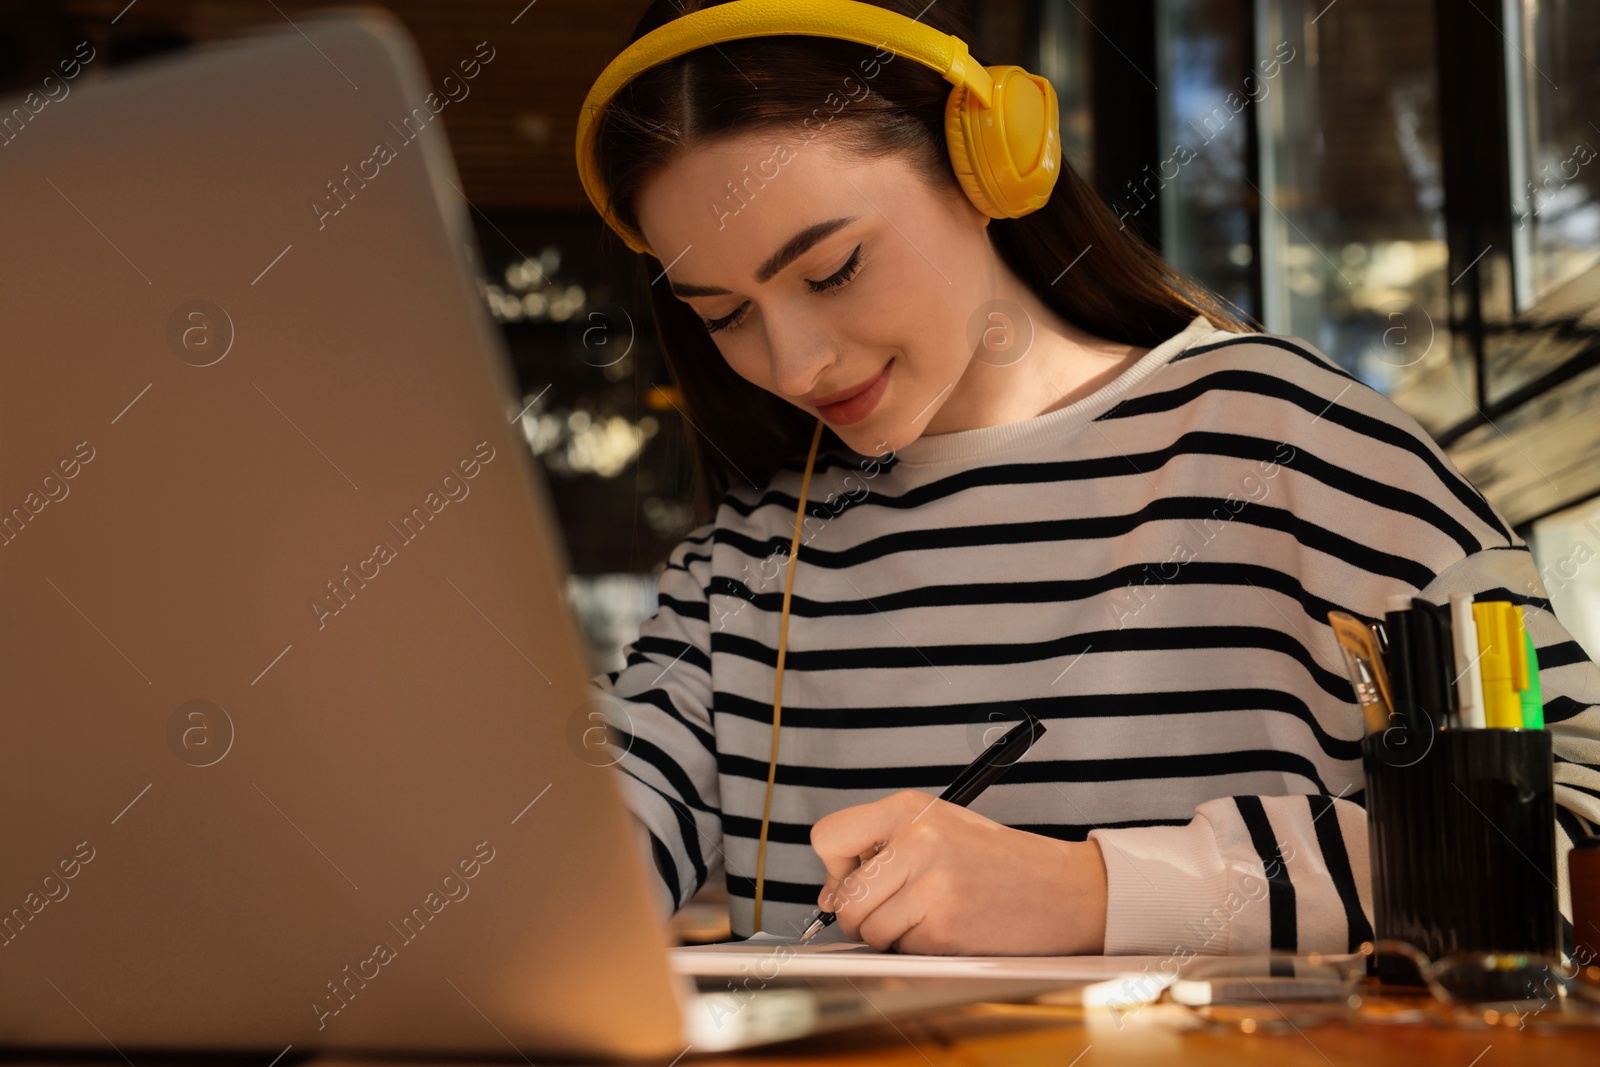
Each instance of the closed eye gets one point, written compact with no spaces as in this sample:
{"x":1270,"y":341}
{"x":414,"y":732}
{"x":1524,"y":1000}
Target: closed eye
{"x":838,"y":280}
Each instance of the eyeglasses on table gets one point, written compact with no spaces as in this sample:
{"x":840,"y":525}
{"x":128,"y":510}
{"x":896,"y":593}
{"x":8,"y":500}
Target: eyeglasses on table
{"x":1284,"y":991}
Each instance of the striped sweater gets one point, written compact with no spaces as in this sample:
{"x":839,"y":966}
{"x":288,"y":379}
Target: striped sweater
{"x":1149,"y":571}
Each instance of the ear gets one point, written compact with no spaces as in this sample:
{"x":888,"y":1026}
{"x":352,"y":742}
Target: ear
{"x":968,"y":211}
{"x":982,"y":217}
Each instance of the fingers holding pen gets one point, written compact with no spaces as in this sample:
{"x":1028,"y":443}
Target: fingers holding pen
{"x":863,"y":890}
{"x":858,"y":846}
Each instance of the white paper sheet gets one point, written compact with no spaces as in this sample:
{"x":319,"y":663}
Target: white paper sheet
{"x":770,"y":955}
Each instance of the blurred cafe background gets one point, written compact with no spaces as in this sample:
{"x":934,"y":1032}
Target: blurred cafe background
{"x":1411,"y":185}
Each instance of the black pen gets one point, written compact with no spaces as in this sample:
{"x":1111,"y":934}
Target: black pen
{"x":979,"y":775}
{"x":1434,"y":673}
{"x":1398,"y":626}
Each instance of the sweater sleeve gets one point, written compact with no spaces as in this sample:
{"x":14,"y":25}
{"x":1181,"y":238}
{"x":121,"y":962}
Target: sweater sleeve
{"x":1252,"y":874}
{"x":661,"y":744}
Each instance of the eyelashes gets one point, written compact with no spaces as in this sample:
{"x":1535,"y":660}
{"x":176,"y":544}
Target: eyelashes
{"x":842,"y":277}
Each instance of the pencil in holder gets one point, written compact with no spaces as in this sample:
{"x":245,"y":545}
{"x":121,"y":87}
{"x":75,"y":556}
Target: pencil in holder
{"x":1461,"y":828}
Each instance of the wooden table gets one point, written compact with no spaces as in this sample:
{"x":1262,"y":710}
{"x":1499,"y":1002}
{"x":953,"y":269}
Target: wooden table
{"x":1041,"y":1035}
{"x":1025,"y":1035}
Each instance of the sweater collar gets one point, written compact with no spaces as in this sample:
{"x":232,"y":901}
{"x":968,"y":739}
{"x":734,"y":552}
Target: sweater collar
{"x":986,"y":440}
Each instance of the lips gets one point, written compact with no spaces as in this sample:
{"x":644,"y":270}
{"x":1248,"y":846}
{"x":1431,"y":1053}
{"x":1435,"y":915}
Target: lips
{"x":846,"y":394}
{"x":855,"y":403}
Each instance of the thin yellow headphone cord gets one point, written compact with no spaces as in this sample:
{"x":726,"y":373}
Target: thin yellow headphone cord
{"x":777,"y":685}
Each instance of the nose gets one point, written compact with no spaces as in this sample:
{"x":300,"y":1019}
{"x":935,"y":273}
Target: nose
{"x":800,"y":352}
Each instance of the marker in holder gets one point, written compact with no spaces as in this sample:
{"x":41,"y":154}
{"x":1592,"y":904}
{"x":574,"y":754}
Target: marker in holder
{"x":1461,"y":828}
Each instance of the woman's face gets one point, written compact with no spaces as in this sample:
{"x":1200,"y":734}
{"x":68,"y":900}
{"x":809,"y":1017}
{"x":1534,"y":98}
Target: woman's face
{"x":845,"y":286}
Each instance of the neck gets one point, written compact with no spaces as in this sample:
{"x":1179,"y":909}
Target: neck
{"x":1031,"y":361}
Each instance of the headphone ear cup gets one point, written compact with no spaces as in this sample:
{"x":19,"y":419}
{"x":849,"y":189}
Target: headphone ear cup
{"x":958,"y":146}
{"x":1006,"y":157}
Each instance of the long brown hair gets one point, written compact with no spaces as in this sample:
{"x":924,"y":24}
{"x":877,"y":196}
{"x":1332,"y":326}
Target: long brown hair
{"x":742,"y":431}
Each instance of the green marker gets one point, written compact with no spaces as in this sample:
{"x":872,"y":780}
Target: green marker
{"x":1533,"y":696}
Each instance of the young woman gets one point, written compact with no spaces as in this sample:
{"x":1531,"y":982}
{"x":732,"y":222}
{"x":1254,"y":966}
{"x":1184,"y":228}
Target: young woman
{"x":1052,"y":475}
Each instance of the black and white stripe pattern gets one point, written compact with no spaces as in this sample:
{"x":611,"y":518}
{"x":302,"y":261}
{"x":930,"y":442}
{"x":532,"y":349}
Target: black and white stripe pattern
{"x":1149,"y":570}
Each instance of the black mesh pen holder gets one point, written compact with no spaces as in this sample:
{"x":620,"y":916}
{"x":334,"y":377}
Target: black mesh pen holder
{"x":1461,"y":829}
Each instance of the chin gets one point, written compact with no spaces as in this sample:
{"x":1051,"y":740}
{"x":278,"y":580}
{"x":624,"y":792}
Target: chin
{"x":870,"y":438}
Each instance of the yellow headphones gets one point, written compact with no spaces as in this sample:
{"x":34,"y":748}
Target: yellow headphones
{"x":1002,"y":124}
{"x":1002,"y":129}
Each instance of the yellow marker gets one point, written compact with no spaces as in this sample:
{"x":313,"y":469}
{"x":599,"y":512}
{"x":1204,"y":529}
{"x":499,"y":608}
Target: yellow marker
{"x":1502,"y":660}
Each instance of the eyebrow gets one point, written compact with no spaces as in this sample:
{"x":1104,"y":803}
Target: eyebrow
{"x":793,"y":249}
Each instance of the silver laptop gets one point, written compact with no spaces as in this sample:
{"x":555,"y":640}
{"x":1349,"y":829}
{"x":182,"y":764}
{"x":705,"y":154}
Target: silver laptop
{"x":292,"y":703}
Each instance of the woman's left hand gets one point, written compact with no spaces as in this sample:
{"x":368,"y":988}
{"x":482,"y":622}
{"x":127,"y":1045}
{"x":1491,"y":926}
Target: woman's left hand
{"x":948,"y":881}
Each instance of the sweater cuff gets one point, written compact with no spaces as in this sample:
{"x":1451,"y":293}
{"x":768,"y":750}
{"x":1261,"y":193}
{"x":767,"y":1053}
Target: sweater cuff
{"x":1165,"y":886}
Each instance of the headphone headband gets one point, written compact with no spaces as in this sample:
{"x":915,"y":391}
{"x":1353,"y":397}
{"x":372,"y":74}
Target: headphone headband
{"x":846,"y":20}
